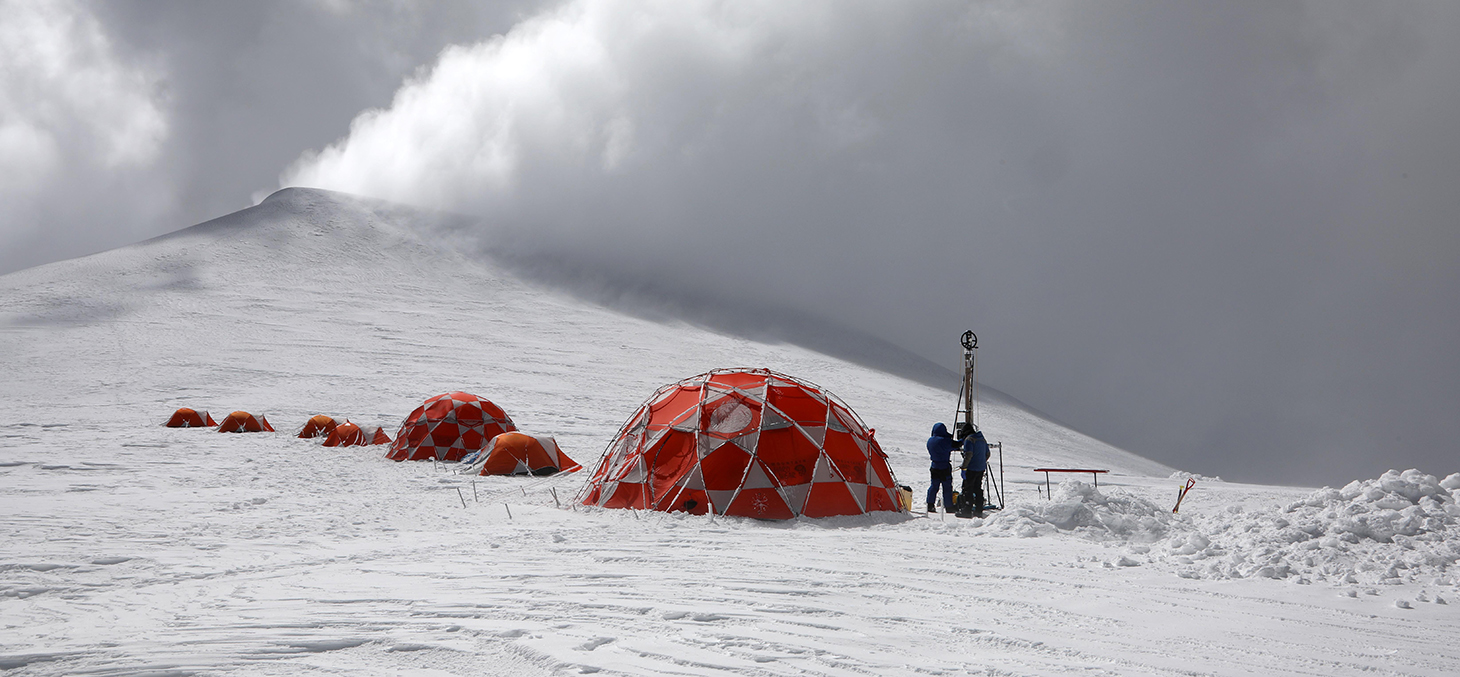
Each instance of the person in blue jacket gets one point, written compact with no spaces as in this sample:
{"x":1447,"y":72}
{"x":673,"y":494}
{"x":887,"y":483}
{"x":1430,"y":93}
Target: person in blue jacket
{"x":975,"y":463}
{"x":940,"y":448}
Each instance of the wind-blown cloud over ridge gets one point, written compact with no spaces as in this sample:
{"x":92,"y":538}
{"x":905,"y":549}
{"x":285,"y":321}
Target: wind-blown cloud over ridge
{"x":1163,"y":219}
{"x":638,"y":133}
{"x":604,"y":88}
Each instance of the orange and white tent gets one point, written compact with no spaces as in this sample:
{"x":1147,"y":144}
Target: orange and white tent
{"x":318,"y":425}
{"x":448,"y":427}
{"x":244,"y":422}
{"x":515,"y":453}
{"x":348,"y":434}
{"x":748,"y":442}
{"x":187,"y":418}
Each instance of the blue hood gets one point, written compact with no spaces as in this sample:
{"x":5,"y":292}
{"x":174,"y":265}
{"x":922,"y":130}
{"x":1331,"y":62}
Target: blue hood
{"x":940,"y":430}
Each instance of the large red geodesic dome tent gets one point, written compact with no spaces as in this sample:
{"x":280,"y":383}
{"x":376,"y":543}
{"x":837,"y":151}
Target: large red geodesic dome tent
{"x":747,"y":442}
{"x":448,"y":427}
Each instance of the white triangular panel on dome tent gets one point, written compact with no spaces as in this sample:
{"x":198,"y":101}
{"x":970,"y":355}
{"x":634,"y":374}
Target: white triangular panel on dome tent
{"x":756,"y":477}
{"x":758,"y":391}
{"x":795,"y":496}
{"x":687,"y":426}
{"x":859,"y":494}
{"x":704,"y":444}
{"x":648,"y":441}
{"x":770,"y":419}
{"x":747,"y":441}
{"x":636,"y":472}
{"x":824,"y":471}
{"x":693,"y":479}
{"x":720,"y":500}
{"x":815,"y":433}
{"x":835,"y":423}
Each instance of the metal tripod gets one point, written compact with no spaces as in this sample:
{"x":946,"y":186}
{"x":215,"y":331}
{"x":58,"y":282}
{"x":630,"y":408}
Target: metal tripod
{"x":968,"y":414}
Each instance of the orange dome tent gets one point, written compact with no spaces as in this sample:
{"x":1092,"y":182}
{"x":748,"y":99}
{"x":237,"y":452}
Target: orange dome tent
{"x":448,"y":427}
{"x":318,"y":425}
{"x":348,"y":434}
{"x":187,"y":418}
{"x":244,"y":422}
{"x":517,"y":454}
{"x":748,"y":442}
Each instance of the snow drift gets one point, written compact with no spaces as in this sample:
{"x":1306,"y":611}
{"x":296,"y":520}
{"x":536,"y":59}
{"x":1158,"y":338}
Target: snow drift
{"x":1399,"y":528}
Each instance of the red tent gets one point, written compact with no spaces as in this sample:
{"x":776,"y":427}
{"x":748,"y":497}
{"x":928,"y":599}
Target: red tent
{"x":517,"y":454}
{"x":187,"y":418}
{"x":244,"y":422}
{"x":448,"y":427}
{"x":318,"y":425}
{"x":748,"y":442}
{"x":348,"y":434}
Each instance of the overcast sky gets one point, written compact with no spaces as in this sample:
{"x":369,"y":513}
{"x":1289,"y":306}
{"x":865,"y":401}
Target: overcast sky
{"x":1225,"y":236}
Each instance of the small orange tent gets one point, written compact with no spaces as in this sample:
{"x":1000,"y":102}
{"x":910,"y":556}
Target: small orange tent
{"x":348,"y":434}
{"x":187,"y":418}
{"x":244,"y":422}
{"x":517,"y":454}
{"x":318,"y":426}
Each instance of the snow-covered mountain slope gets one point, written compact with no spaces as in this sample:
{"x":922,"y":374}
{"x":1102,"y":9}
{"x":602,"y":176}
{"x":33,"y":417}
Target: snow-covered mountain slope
{"x":135,"y":549}
{"x":315,"y":301}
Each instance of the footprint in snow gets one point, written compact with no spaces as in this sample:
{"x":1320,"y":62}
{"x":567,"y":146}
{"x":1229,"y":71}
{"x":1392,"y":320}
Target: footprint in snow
{"x":594,"y":643}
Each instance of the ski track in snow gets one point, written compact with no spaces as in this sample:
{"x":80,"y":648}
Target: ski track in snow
{"x":136,"y":549}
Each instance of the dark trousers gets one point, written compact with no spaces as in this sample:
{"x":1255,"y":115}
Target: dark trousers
{"x":972,"y":494}
{"x":942,"y":477}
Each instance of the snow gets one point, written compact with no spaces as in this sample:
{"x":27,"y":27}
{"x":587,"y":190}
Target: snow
{"x":1398,"y":529}
{"x":130,"y":548}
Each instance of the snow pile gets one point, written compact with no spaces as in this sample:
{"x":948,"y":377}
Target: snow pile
{"x":1079,"y":508}
{"x":1399,"y":528}
{"x":1403,"y":527}
{"x":1182,"y":476}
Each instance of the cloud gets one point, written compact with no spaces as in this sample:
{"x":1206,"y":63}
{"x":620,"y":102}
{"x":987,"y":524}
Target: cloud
{"x":68,"y":104}
{"x":702,"y":126}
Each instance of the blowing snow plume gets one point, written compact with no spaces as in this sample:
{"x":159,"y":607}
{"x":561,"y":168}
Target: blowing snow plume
{"x":1164,"y":220}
